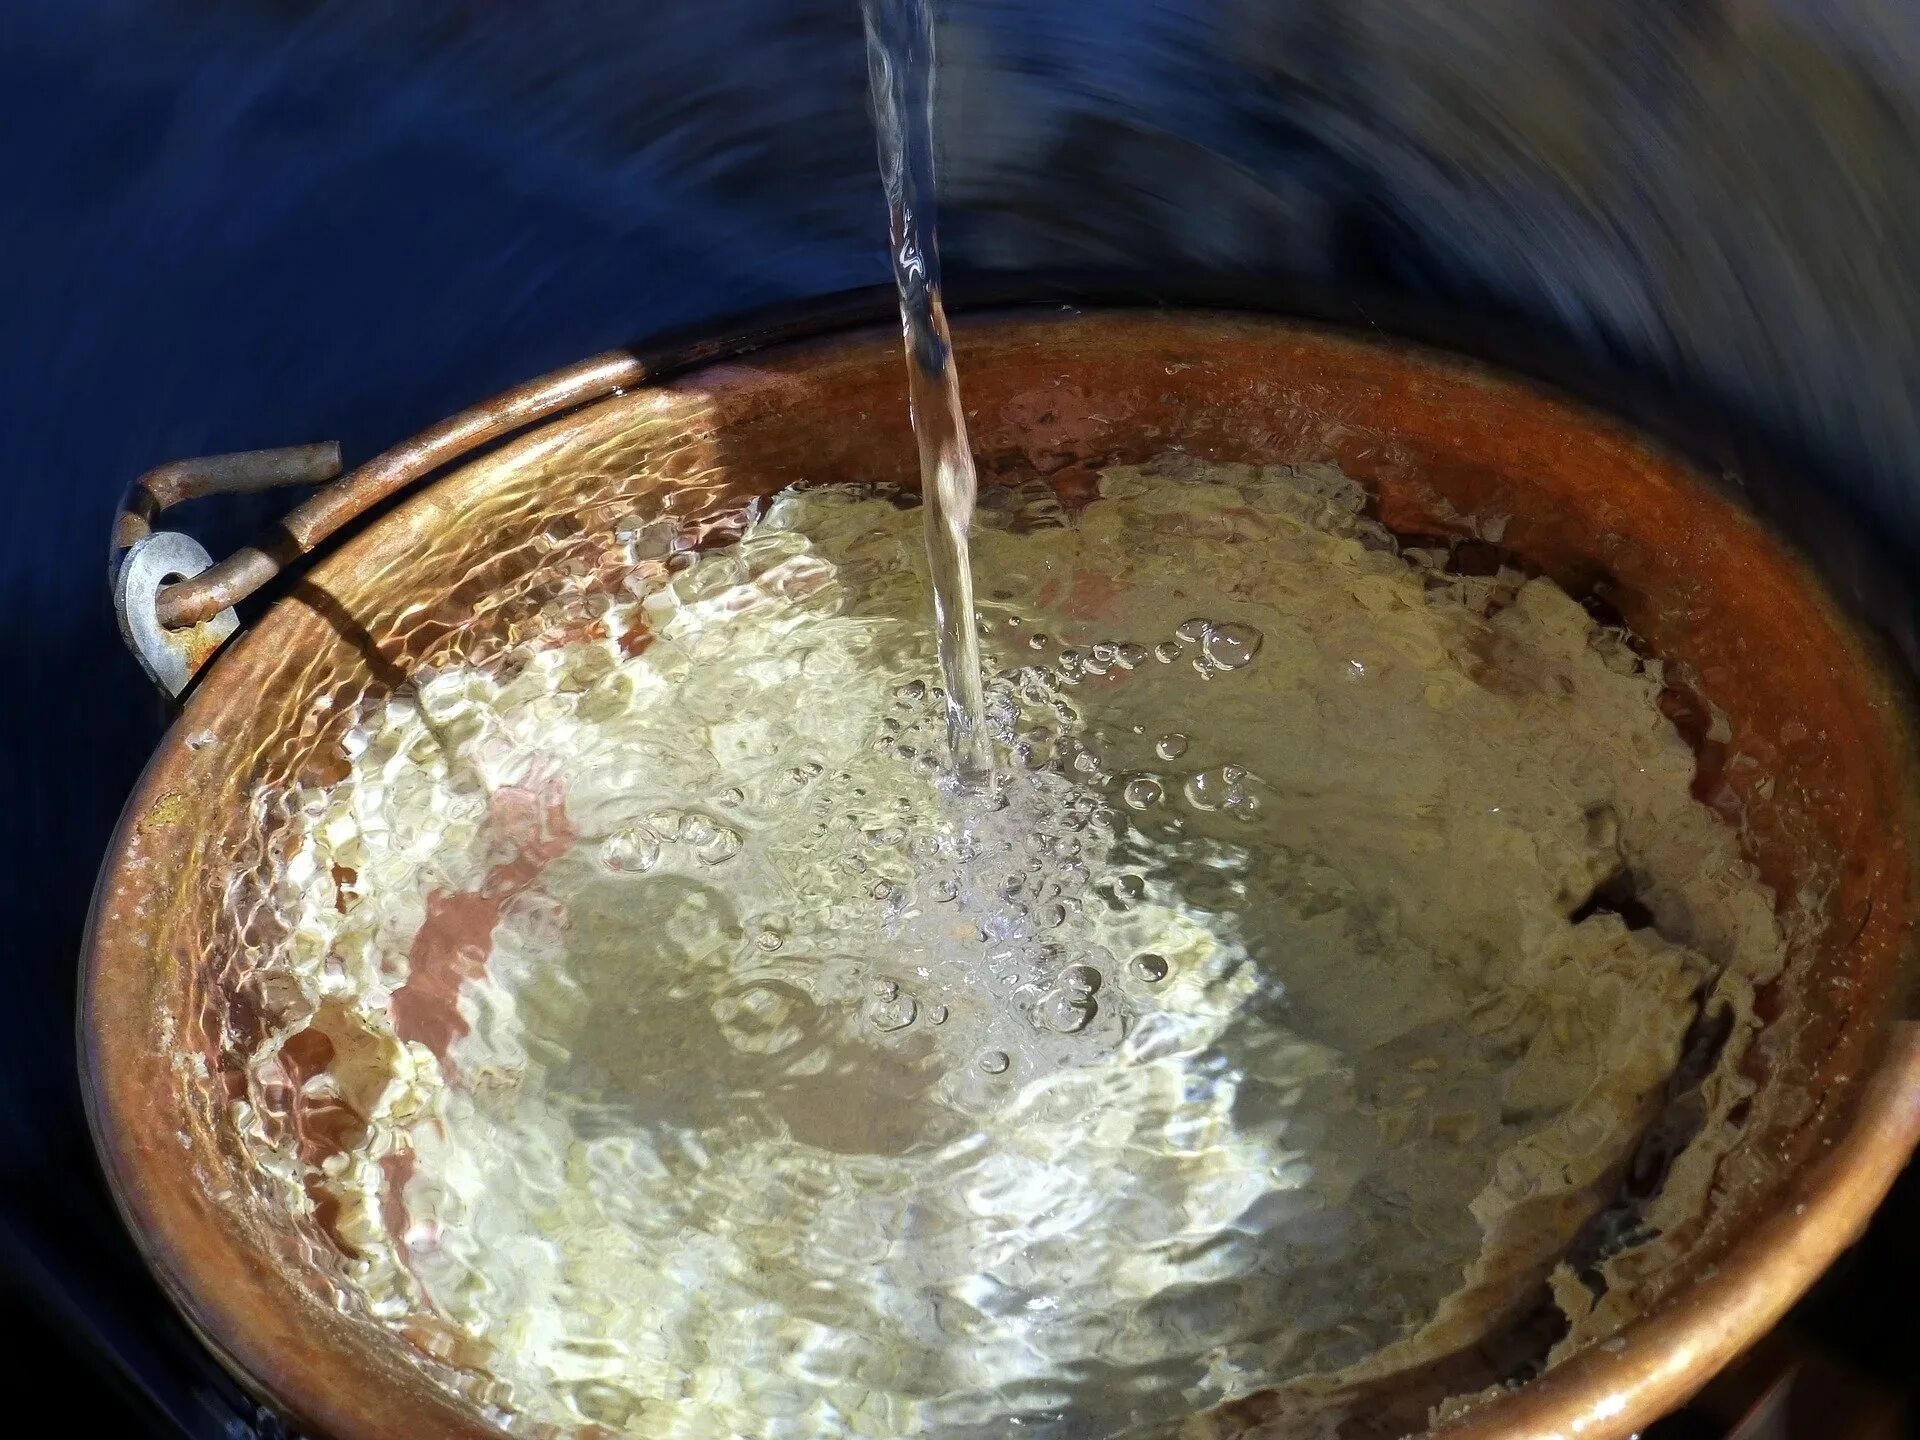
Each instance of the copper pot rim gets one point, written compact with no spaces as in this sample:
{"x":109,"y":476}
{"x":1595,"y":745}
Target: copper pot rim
{"x":1657,"y":1362}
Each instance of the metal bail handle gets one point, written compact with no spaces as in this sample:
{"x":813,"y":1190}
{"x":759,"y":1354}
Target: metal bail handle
{"x":151,"y":561}
{"x":176,"y":605}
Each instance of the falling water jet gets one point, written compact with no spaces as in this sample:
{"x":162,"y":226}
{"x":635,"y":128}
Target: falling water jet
{"x":900,"y":71}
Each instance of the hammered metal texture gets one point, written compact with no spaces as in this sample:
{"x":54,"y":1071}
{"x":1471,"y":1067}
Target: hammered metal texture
{"x":522,"y":547}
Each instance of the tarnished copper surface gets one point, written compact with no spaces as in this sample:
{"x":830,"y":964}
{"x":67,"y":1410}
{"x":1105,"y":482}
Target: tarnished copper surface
{"x":518,"y":543}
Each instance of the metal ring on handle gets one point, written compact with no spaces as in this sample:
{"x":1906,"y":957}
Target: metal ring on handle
{"x":146,"y":563}
{"x":170,"y":657}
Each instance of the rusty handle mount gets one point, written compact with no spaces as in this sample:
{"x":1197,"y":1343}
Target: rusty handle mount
{"x":175,"y":605}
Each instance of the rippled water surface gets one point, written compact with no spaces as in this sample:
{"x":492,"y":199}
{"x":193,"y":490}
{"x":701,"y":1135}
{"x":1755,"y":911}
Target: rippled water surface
{"x":720,"y":1067}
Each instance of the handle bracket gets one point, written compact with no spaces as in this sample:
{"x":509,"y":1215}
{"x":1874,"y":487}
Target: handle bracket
{"x":149,"y":562}
{"x":176,"y":604}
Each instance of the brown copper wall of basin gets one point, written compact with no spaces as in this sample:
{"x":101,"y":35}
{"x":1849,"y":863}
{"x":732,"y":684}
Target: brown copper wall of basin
{"x":517,"y":544}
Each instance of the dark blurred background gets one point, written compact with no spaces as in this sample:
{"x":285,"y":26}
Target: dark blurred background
{"x":238,"y":223}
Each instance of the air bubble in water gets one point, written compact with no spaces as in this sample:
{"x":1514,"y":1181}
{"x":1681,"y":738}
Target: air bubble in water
{"x":1205,"y":790}
{"x":1167,"y":651}
{"x":1221,"y":789}
{"x":937,"y":1015}
{"x":721,"y":844}
{"x":1143,"y":792}
{"x":1149,"y":968}
{"x":911,"y":691}
{"x":633,"y":851}
{"x":995,"y":1062}
{"x":1193,"y":631}
{"x":1129,"y":887}
{"x":893,"y":1011}
{"x":1171,"y":747}
{"x":1067,"y":1012}
{"x":1080,"y":979}
{"x":1229,"y":646}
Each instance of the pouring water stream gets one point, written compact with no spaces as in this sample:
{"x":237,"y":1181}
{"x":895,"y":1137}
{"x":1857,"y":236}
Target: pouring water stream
{"x":900,"y":72}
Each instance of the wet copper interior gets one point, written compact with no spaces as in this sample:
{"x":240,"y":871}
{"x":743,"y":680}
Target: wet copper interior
{"x":517,"y":544}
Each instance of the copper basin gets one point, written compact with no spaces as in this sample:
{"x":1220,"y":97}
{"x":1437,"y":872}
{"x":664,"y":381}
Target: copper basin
{"x":467,"y":568}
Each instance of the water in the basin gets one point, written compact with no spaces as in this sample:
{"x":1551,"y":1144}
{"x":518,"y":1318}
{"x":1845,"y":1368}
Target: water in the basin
{"x":901,"y":76}
{"x":718,"y":1073}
